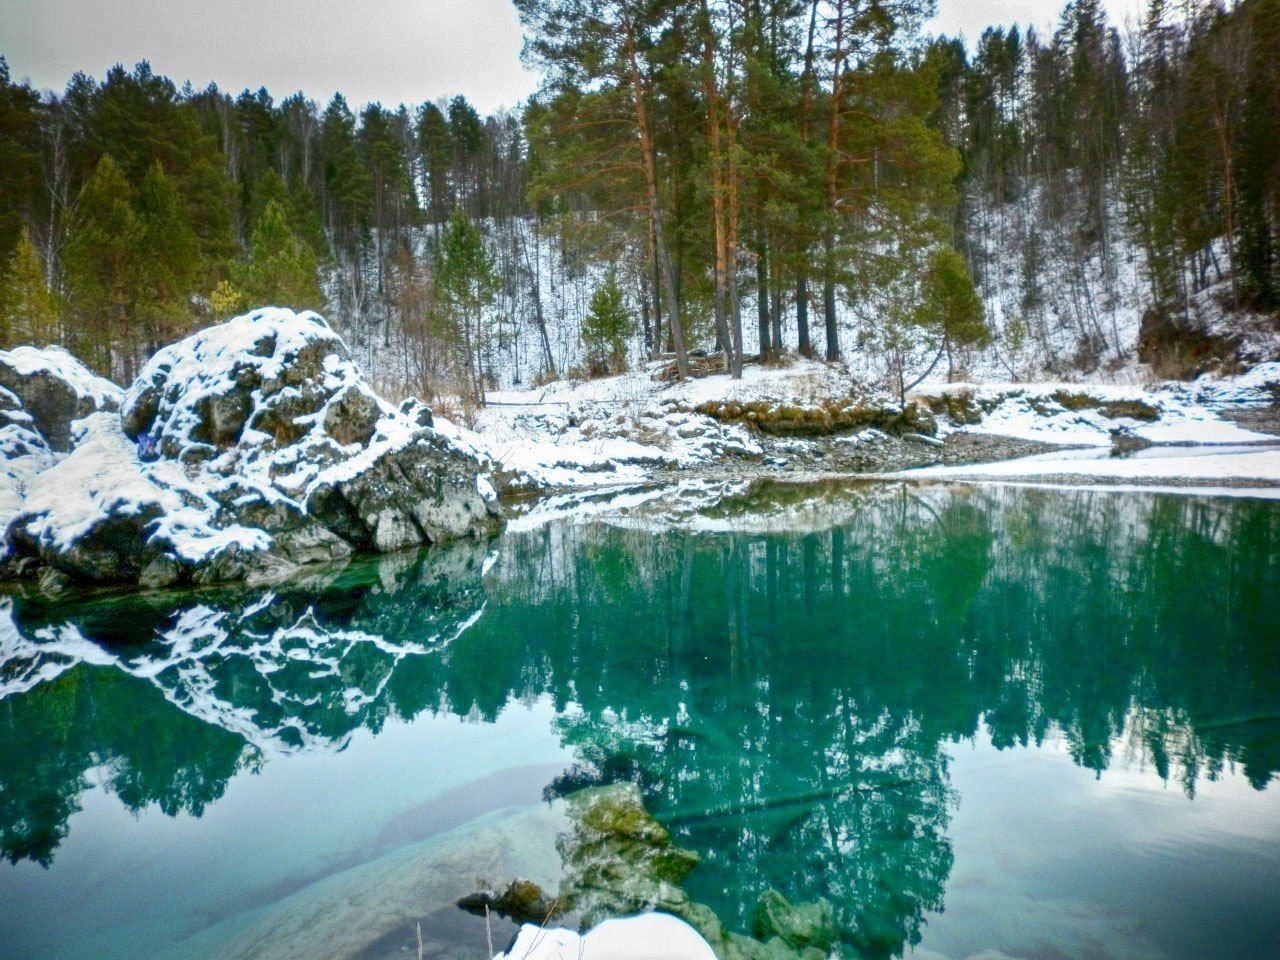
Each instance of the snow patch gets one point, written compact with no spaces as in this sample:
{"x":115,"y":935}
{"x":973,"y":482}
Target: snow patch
{"x":648,"y":936}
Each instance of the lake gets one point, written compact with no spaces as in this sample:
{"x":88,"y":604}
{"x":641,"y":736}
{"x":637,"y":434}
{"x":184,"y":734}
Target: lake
{"x":1039,"y":722}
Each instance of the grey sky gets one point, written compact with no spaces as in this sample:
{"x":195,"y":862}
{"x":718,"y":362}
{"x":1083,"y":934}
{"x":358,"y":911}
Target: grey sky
{"x":387,"y":50}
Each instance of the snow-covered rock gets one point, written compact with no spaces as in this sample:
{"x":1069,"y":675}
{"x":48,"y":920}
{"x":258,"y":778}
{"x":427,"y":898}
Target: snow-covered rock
{"x":240,"y":452}
{"x":55,"y":389}
{"x":43,"y":393}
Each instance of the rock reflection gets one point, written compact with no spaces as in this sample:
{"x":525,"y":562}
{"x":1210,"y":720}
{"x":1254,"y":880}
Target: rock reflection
{"x":783,"y":692}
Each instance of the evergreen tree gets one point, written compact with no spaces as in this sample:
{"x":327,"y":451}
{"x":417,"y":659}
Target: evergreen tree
{"x":28,"y":311}
{"x":949,"y":305}
{"x":1259,"y":150}
{"x":19,"y":157}
{"x":607,"y":327}
{"x":435,"y":150}
{"x":281,"y":270}
{"x":101,"y":270}
{"x":169,"y":262}
{"x":465,"y":285}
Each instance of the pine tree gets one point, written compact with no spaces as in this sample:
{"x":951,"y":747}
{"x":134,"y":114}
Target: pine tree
{"x":465,"y":284}
{"x":101,"y":270}
{"x":607,"y":327}
{"x":281,"y":269}
{"x":19,"y":157}
{"x":435,"y":149}
{"x":949,"y":305}
{"x":169,"y":261}
{"x":28,"y":311}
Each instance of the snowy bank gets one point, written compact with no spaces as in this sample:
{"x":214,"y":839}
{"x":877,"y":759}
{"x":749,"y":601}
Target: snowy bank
{"x":239,"y":453}
{"x":1192,"y":470}
{"x":1075,"y":414}
{"x":810,"y":418}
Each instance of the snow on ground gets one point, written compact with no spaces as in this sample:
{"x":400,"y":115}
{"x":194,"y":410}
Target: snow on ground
{"x":1188,"y":469}
{"x":616,"y":430}
{"x":1185,"y":413}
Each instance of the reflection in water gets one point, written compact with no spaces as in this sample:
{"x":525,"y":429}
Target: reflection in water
{"x":785,"y":700}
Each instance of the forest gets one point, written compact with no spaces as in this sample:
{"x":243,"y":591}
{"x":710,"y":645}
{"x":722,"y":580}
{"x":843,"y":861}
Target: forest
{"x":707,"y":182}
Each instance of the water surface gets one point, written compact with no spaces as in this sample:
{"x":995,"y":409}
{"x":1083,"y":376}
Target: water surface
{"x":1044,"y":723}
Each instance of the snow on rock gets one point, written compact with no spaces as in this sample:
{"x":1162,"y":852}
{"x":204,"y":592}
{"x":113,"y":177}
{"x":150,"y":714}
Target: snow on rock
{"x":648,"y":936}
{"x":1072,"y":414}
{"x":619,"y":430}
{"x":24,"y":453}
{"x":240,"y":452}
{"x":43,"y":393}
{"x":55,"y":389}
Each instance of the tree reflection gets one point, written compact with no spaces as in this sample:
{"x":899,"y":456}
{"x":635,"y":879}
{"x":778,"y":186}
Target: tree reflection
{"x":784,"y":700}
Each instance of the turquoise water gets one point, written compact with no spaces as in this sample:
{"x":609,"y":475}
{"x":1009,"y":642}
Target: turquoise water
{"x":1044,"y":723}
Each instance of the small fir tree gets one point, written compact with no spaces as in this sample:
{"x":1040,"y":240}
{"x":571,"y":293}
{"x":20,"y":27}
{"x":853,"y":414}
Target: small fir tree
{"x":281,"y":269}
{"x":28,"y":311}
{"x":101,"y":268}
{"x":465,"y":284}
{"x":607,"y":327}
{"x":225,"y":300}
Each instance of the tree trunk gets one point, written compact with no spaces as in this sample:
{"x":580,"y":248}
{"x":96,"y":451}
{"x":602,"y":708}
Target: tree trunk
{"x":802,"y":317}
{"x":762,"y":301}
{"x":649,"y":152}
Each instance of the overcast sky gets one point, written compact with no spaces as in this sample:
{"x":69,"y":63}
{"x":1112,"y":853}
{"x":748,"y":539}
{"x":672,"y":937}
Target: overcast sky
{"x":388,"y":50}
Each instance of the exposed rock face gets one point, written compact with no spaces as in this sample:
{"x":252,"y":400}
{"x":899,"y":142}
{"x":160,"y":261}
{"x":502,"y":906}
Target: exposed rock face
{"x":239,"y":453}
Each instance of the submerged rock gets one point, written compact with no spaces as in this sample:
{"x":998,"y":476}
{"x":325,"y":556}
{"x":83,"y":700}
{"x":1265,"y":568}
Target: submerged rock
{"x":240,"y":453}
{"x":798,"y":926}
{"x":522,"y":901}
{"x":618,"y":861}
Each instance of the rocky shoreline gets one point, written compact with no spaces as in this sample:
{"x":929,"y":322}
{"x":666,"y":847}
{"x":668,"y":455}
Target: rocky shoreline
{"x":256,"y":447}
{"x":244,"y":452}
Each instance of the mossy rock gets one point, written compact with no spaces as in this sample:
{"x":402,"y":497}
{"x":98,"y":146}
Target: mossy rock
{"x":960,"y":408}
{"x":798,"y":926}
{"x":1131,"y":410}
{"x":1112,"y":409}
{"x":825,"y":419}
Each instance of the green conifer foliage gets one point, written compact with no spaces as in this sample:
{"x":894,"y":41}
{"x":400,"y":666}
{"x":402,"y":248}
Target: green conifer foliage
{"x":28,"y":311}
{"x":101,"y":267}
{"x":465,"y":284}
{"x":949,"y":304}
{"x":19,"y":156}
{"x":281,"y":270}
{"x":169,"y":261}
{"x":607,"y":327}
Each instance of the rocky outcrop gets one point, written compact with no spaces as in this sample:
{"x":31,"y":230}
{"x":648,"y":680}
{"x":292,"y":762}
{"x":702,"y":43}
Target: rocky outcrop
{"x":54,"y":389}
{"x":43,"y":393}
{"x":240,"y":453}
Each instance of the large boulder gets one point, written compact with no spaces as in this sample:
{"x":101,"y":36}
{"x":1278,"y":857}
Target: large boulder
{"x":43,"y":394}
{"x":55,"y":389}
{"x":242,"y":452}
